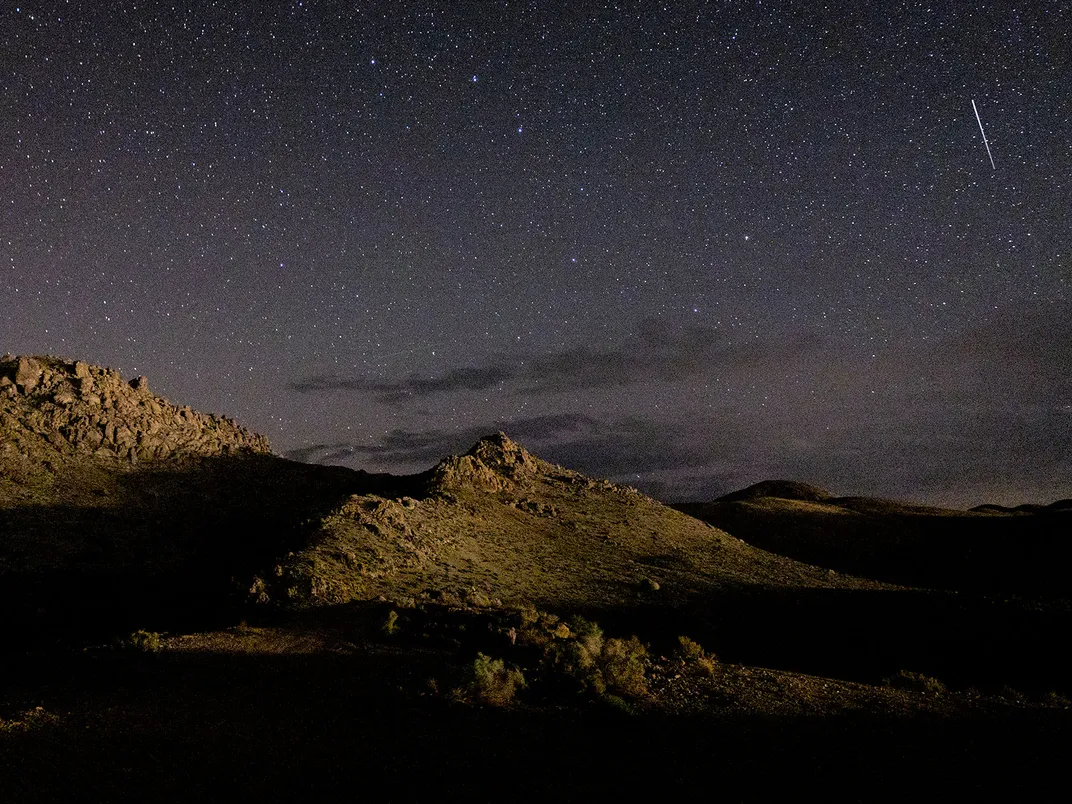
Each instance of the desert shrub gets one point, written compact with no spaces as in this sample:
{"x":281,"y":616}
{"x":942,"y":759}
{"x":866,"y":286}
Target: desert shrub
{"x":145,"y":641}
{"x":623,"y":663}
{"x":617,"y":703}
{"x":570,"y":664}
{"x":689,"y":650}
{"x":1056,"y":699}
{"x":589,"y":664}
{"x":29,"y":720}
{"x":588,"y":634}
{"x":916,"y":682}
{"x":390,"y":625}
{"x":528,"y":613}
{"x":695,"y":658}
{"x":540,"y":628}
{"x":575,"y":657}
{"x":491,"y":682}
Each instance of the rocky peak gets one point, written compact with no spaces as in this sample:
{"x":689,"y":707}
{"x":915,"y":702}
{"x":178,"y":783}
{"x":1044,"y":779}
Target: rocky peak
{"x":49,"y":404}
{"x":505,"y":456}
{"x":497,"y":463}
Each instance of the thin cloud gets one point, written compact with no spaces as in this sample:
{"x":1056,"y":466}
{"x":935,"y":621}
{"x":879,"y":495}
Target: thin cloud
{"x":985,"y":415}
{"x":657,"y":353}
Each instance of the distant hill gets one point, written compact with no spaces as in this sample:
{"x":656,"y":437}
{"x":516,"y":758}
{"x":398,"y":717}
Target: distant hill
{"x":990,"y":548}
{"x":783,"y":489}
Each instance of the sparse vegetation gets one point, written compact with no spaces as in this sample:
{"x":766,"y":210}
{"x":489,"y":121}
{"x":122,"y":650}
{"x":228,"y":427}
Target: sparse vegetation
{"x":430,"y":576}
{"x":144,"y":641}
{"x":491,"y":682}
{"x":390,"y":625}
{"x":1056,"y":699}
{"x":623,"y":662}
{"x":29,"y":720}
{"x":578,"y":657}
{"x":694,"y":657}
{"x":916,"y":682}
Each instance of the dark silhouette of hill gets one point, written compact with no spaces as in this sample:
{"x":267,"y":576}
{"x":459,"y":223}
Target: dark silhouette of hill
{"x":783,"y":489}
{"x":988,"y":549}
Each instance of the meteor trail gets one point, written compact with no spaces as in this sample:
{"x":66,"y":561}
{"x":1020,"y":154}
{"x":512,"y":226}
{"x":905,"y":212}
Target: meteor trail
{"x":987,"y":144}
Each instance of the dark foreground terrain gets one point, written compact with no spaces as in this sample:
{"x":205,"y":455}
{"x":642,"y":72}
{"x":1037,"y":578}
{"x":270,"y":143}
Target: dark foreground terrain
{"x":188,"y":616}
{"x":335,"y":710}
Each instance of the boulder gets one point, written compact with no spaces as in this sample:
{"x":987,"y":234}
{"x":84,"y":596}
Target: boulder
{"x":27,"y":374}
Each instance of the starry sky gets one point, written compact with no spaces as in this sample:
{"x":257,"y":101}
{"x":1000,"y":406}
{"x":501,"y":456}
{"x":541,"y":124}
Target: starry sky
{"x":687,"y":246}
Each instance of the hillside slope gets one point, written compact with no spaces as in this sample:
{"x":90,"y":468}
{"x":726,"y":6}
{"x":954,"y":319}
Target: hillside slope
{"x":984,"y":550}
{"x":117,"y":506}
{"x":503,"y":523}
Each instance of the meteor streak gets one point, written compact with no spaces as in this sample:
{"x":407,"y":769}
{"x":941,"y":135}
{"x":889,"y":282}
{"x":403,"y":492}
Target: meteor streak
{"x":987,"y":144}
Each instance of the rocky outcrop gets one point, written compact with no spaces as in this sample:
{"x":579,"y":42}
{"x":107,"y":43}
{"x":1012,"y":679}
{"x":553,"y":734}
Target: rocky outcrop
{"x":496,"y":463}
{"x":83,"y":410}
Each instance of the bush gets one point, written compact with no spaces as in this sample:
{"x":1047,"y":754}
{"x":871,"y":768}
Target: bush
{"x":623,"y":662}
{"x":529,"y":614}
{"x":916,"y":682}
{"x":390,"y":625}
{"x":576,"y":657}
{"x":594,"y":665}
{"x":492,"y":682}
{"x":1054,"y":698}
{"x":29,"y":720}
{"x":569,"y":661}
{"x":588,"y":634}
{"x":145,"y":641}
{"x":693,"y":656}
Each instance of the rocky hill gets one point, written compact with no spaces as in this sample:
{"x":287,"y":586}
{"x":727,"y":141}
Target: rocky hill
{"x":113,"y":499}
{"x":782,"y":489}
{"x":499,"y":522}
{"x":51,"y":406}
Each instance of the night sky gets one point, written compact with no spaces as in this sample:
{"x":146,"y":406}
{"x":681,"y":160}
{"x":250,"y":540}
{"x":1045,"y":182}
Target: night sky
{"x":687,"y":246}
